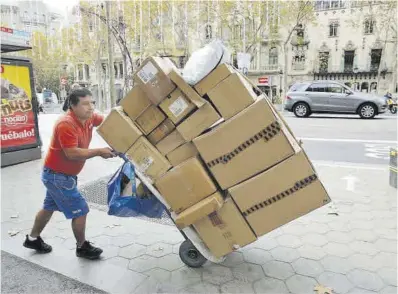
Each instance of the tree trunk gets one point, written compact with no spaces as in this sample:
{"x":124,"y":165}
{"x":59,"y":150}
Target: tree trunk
{"x":110,"y":59}
{"x":285,"y":72}
{"x":98,"y":70}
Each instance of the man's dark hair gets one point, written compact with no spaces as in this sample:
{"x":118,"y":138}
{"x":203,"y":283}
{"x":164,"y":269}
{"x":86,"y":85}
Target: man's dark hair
{"x":74,"y":98}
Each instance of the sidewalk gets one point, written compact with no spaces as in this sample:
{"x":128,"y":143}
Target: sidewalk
{"x":350,"y":246}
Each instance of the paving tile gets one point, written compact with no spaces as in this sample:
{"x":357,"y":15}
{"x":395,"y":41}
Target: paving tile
{"x":118,"y":261}
{"x":143,"y":263}
{"x":340,"y":226}
{"x":365,"y":279}
{"x":185,"y":277}
{"x":337,"y":249}
{"x":257,"y":256}
{"x":385,"y":259}
{"x":361,"y":224}
{"x":364,"y":247}
{"x":269,"y":285}
{"x":70,"y":243}
{"x":295,"y":229}
{"x":386,"y":245}
{"x":123,"y":241}
{"x":362,"y":207}
{"x":389,"y":223}
{"x":217,"y":274}
{"x":285,"y":254}
{"x":315,"y":239}
{"x":109,"y":251}
{"x":339,"y":237}
{"x":173,"y":238}
{"x":300,"y":284}
{"x":159,"y":274}
{"x":336,"y":264}
{"x":362,"y":215}
{"x":389,"y":234}
{"x":318,"y":228}
{"x":247,"y":272}
{"x":233,"y":259}
{"x":152,"y":285}
{"x":265,"y":243}
{"x":159,"y":249}
{"x":289,"y":240}
{"x":201,"y":288}
{"x":236,"y":287}
{"x":170,"y":262}
{"x":362,"y":261}
{"x":360,"y":291}
{"x":311,"y":252}
{"x":364,"y":235}
{"x":149,"y":239}
{"x":338,"y":282}
{"x":132,"y":251}
{"x":278,"y":269}
{"x":389,"y":290}
{"x":388,"y":275}
{"x":307,"y":267}
{"x":103,"y":240}
{"x":176,"y":248}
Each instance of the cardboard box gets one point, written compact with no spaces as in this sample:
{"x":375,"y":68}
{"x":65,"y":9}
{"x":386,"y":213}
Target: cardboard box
{"x":198,"y":122}
{"x":135,"y":102}
{"x":225,"y":230}
{"x":170,"y":142}
{"x":232,"y":95}
{"x":150,"y":119}
{"x":279,"y":195}
{"x":199,"y":210}
{"x":147,"y":159}
{"x":247,"y":144}
{"x":164,"y":129}
{"x":152,"y":76}
{"x":177,"y":106}
{"x":182,"y":153}
{"x":118,"y":130}
{"x":186,"y":89}
{"x":185,"y":185}
{"x":214,"y":78}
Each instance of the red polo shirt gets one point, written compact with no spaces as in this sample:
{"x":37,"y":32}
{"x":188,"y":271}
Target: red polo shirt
{"x":69,"y":132}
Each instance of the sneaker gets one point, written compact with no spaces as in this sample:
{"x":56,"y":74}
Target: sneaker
{"x":88,"y":251}
{"x":38,"y":244}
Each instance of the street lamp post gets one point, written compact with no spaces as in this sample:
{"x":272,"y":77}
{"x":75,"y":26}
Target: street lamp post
{"x":280,"y":88}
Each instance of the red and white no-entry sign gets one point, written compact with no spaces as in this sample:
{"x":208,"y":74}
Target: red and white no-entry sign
{"x":263,"y":80}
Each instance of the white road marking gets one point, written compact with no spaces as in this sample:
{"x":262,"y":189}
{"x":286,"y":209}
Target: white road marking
{"x":379,"y":151}
{"x":349,"y":140}
{"x":351,"y":180}
{"x":349,"y":165}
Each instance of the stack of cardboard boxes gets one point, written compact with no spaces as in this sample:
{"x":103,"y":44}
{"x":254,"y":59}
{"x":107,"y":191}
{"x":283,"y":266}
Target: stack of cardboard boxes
{"x":220,"y":155}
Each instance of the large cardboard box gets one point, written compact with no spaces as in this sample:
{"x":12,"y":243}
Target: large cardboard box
{"x":177,"y":106}
{"x":279,"y":195}
{"x":199,"y":210}
{"x":147,"y":159}
{"x":232,"y":95}
{"x":182,"y":153}
{"x":185,"y":185}
{"x":135,"y":102}
{"x":225,"y":230}
{"x":187,"y":89}
{"x":164,"y":129}
{"x":150,"y":119}
{"x":250,"y":142}
{"x":152,"y":76}
{"x":214,"y":78}
{"x":170,"y":142}
{"x":118,"y":130}
{"x":198,"y":122}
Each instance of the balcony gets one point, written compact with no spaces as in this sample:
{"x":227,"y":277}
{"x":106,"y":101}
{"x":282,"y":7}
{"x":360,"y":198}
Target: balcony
{"x":348,"y":76}
{"x":264,"y":69}
{"x":298,"y":66}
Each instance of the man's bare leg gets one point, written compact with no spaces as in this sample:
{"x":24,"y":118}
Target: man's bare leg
{"x":41,"y":220}
{"x":79,"y":229}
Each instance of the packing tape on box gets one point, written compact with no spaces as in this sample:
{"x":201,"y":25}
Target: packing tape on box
{"x":266,"y":134}
{"x":297,"y":186}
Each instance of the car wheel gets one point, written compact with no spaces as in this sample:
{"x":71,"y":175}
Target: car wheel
{"x":301,"y":110}
{"x":367,"y":111}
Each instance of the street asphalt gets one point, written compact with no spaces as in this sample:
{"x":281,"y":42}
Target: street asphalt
{"x":21,"y":276}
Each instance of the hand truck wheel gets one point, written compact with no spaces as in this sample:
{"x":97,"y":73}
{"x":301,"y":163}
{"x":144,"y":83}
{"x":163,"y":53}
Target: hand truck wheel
{"x":190,"y":255}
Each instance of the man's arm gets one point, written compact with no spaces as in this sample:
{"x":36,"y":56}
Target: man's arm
{"x":79,"y":154}
{"x":97,"y":119}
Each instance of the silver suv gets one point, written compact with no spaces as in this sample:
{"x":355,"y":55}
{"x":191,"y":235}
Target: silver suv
{"x":306,"y":98}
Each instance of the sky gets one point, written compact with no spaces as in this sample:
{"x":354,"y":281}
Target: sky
{"x":60,"y":6}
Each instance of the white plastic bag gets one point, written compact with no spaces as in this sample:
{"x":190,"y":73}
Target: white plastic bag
{"x":204,"y":60}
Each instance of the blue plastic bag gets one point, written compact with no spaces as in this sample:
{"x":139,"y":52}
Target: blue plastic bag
{"x":130,"y":206}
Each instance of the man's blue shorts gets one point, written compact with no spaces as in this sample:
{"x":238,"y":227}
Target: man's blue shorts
{"x":62,"y":194}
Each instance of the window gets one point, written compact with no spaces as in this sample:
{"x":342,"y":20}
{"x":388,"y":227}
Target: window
{"x":349,"y":61}
{"x":333,"y":27}
{"x":318,"y":87}
{"x":273,"y":56}
{"x":121,"y":70}
{"x":80,"y":72}
{"x":335,"y":88}
{"x":375,"y":56}
{"x":323,"y":62}
{"x":369,"y":26}
{"x":43,"y":18}
{"x":87,"y":71}
{"x":335,"y":3}
{"x":90,"y":26}
{"x":209,"y":32}
{"x":116,"y":71}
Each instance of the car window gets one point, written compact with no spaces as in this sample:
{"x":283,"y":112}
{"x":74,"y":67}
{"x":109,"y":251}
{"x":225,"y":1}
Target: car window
{"x":317,"y":87}
{"x":335,"y":88}
{"x":298,"y":86}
